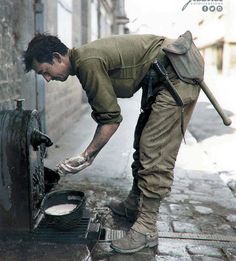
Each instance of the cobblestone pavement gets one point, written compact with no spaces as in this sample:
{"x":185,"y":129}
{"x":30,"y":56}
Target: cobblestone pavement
{"x":196,"y":222}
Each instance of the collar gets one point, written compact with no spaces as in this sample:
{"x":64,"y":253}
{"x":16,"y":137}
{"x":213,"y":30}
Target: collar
{"x":72,"y":57}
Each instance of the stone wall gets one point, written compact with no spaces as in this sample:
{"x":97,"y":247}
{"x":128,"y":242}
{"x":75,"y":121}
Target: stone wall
{"x":16,"y":28}
{"x":62,"y":100}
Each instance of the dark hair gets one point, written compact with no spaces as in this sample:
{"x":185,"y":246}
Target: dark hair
{"x":41,"y":49}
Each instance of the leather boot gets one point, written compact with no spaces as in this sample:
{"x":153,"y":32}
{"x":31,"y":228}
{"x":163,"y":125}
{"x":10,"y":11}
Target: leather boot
{"x":144,"y":231}
{"x":129,"y":207}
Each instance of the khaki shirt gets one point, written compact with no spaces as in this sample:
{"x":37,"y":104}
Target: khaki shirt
{"x":112,"y":68}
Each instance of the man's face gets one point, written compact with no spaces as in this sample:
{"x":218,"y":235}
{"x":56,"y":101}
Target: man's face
{"x":59,"y":70}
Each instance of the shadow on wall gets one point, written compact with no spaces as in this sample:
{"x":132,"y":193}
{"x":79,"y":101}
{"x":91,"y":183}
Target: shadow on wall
{"x":206,"y":122}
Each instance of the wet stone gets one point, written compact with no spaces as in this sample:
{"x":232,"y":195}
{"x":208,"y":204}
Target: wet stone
{"x":204,"y":188}
{"x":206,"y":258}
{"x":203,"y":210}
{"x":194,"y":202}
{"x":175,"y":198}
{"x":103,"y":252}
{"x":162,"y":226}
{"x":230,"y":253}
{"x":192,"y":193}
{"x":164,"y":209}
{"x":177,"y":209}
{"x":164,"y":217}
{"x":171,"y":199}
{"x":226,"y":229}
{"x":175,"y":191}
{"x":180,"y":186}
{"x":204,"y":250}
{"x":214,"y":224}
{"x":232,"y":185}
{"x":231,"y":218}
{"x":173,"y":250}
{"x":182,"y":227}
{"x":202,"y":198}
{"x":171,"y":258}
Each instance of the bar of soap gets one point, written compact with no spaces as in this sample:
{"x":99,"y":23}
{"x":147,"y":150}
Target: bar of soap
{"x":59,"y":210}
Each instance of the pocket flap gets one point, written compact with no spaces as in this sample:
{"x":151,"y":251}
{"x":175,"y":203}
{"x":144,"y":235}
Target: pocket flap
{"x":181,"y":45}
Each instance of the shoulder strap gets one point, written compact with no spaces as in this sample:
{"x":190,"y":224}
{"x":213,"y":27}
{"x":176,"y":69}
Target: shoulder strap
{"x":161,"y":69}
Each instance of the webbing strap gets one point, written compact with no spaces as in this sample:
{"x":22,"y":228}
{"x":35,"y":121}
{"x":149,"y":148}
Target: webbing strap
{"x":161,"y":69}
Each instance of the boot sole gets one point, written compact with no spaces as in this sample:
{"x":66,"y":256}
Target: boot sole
{"x":130,"y":251}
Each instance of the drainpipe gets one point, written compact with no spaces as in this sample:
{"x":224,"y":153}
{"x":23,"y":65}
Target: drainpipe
{"x":40,"y":83}
{"x":99,"y":18}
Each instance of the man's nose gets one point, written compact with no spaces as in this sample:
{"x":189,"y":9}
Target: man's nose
{"x":48,"y":78}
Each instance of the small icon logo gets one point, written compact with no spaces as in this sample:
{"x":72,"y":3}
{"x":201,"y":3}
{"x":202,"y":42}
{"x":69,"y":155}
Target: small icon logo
{"x":205,"y":8}
{"x":212,"y":8}
{"x":219,"y":8}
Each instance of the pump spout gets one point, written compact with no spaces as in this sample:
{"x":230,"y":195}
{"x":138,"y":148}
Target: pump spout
{"x":38,"y":138}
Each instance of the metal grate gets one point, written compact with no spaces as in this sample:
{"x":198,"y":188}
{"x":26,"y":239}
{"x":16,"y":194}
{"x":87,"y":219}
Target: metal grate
{"x":111,"y":234}
{"x":84,"y":233}
{"x":198,"y":236}
{"x":195,"y":238}
{"x":219,"y":244}
{"x":49,"y":234}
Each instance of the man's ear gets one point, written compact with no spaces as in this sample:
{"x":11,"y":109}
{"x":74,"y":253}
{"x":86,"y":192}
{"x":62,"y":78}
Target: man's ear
{"x":57,"y":56}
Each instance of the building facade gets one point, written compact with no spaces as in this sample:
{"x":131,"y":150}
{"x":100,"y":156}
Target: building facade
{"x":216,"y":37}
{"x":75,"y":23}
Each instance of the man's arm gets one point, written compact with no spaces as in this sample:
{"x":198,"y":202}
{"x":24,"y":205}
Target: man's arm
{"x":101,"y":137}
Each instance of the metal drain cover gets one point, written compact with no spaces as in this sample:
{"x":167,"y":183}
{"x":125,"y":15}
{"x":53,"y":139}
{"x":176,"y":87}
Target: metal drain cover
{"x":207,"y":239}
{"x":113,"y":234}
{"x":198,"y":236}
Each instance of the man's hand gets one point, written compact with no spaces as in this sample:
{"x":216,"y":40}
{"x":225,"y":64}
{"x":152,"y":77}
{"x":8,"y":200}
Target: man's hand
{"x":101,"y":137}
{"x":73,"y":165}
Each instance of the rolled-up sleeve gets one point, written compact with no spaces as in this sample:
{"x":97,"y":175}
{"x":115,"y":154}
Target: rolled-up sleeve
{"x":95,"y":81}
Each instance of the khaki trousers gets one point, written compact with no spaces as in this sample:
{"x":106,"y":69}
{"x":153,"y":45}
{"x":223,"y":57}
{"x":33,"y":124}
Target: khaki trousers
{"x":158,"y":137}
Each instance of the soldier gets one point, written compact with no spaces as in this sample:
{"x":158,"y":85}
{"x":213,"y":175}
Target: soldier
{"x":117,"y":67}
